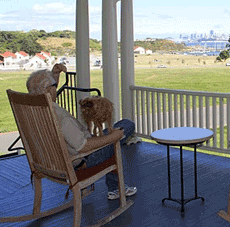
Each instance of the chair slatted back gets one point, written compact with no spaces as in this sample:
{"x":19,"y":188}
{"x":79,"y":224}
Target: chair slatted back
{"x":37,"y":123}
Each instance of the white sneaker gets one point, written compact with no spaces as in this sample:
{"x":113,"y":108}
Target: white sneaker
{"x":129,"y":191}
{"x":133,"y":140}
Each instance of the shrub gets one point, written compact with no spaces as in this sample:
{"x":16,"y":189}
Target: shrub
{"x":218,"y":58}
{"x":224,"y":55}
{"x":66,"y":44}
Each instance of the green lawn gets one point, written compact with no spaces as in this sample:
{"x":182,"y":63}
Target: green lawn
{"x":198,"y":79}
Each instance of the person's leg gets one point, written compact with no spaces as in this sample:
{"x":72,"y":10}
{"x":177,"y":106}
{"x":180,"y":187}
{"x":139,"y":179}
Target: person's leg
{"x":129,"y":128}
{"x":107,"y":152}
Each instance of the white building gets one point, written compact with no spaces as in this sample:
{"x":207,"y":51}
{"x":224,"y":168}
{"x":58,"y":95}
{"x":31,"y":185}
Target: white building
{"x":139,"y":50}
{"x":49,"y":58}
{"x":149,"y":51}
{"x":38,"y":61}
{"x":8,"y":58}
{"x":21,"y":55}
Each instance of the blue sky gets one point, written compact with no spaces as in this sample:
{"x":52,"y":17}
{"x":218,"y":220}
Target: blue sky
{"x":157,"y":19}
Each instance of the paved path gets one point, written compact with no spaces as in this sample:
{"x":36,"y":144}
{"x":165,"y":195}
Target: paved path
{"x":6,"y":139}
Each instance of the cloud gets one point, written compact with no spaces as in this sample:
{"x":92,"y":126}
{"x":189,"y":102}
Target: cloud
{"x":217,"y":26}
{"x":226,"y":11}
{"x":164,"y":16}
{"x":54,"y":8}
{"x":140,"y":14}
{"x":95,"y":10}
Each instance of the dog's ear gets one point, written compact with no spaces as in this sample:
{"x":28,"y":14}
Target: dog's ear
{"x":80,"y":102}
{"x":86,"y":103}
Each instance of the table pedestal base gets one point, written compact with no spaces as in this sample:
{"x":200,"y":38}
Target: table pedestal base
{"x":182,"y":202}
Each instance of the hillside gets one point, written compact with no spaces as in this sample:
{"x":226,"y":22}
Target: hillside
{"x":63,"y":43}
{"x":65,"y":46}
{"x":161,"y":45}
{"x":58,"y":42}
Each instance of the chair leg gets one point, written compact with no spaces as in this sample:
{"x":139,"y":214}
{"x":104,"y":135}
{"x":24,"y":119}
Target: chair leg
{"x":37,"y":195}
{"x":77,"y":206}
{"x":121,"y":182}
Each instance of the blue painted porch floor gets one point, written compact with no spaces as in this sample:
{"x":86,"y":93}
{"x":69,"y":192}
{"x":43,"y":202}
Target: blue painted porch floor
{"x":145,"y":166}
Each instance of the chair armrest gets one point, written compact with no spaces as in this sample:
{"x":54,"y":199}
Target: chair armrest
{"x":83,"y":154}
{"x":78,"y":89}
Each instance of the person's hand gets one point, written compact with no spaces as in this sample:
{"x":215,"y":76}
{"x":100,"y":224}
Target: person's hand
{"x":117,"y":133}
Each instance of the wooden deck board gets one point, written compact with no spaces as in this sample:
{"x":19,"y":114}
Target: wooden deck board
{"x":145,"y":166}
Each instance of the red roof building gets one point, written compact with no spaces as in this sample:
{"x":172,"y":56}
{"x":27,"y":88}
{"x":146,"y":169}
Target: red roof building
{"x":23,"y":53}
{"x":9,"y":54}
{"x":41,"y":56}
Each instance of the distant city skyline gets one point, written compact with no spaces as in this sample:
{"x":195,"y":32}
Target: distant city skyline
{"x":211,"y":35}
{"x":156,"y":19}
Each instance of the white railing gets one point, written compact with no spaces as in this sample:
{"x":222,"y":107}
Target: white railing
{"x":157,"y":108}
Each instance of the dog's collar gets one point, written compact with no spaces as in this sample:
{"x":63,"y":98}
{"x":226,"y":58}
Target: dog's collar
{"x":55,"y":85}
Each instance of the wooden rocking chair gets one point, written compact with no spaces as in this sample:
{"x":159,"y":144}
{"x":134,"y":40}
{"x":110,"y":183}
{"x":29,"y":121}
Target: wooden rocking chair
{"x":48,"y":157}
{"x":222,"y":213}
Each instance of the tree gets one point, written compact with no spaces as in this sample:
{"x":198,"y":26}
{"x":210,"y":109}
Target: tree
{"x":224,"y":54}
{"x":31,"y":46}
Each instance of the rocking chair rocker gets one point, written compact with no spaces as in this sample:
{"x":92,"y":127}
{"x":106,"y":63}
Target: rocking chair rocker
{"x":48,"y":157}
{"x":222,"y":213}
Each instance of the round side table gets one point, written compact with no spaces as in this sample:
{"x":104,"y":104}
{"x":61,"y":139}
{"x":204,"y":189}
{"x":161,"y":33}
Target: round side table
{"x":182,"y":136}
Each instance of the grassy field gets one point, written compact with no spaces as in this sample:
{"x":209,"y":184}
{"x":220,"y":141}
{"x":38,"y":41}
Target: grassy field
{"x":197,"y":79}
{"x":175,"y":61}
{"x":213,"y":77}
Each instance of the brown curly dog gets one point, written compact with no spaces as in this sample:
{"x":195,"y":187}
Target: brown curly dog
{"x":97,"y":110}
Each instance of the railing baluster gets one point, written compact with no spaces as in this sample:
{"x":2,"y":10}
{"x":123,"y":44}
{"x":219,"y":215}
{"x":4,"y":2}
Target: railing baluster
{"x":182,"y":110}
{"x":228,"y":123}
{"x":201,"y":111}
{"x":72,"y":111}
{"x":188,"y":110}
{"x":143,"y":112}
{"x":221,"y":123}
{"x":214,"y":121}
{"x":159,"y":110}
{"x":138,"y":112}
{"x":149,"y":129}
{"x":154,"y":124}
{"x":175,"y":111}
{"x":207,"y":117}
{"x":194,"y":111}
{"x":133,"y":106}
{"x":75,"y":95}
{"x":164,"y":111}
{"x":170,"y":112}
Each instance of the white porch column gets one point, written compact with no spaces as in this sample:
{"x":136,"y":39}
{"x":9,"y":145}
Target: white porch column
{"x":110,"y":55}
{"x":82,"y":44}
{"x":127,"y":57}
{"x":82,"y":47}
